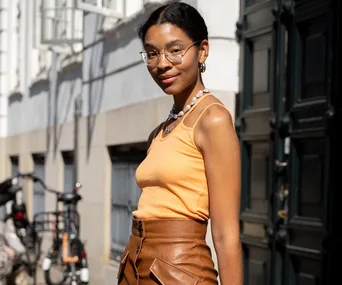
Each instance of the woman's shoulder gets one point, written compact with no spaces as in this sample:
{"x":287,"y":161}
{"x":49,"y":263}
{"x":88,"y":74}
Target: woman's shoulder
{"x":215,"y":124}
{"x":214,"y":109}
{"x":216,"y":115}
{"x":211,"y":110}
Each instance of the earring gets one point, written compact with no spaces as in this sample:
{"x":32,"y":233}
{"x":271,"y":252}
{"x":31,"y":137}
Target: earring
{"x":202,"y":67}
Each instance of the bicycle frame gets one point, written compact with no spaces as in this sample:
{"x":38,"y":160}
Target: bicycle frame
{"x":66,"y":234}
{"x":66,"y":217}
{"x":68,"y":238}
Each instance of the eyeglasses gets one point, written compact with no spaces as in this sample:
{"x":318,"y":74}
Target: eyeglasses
{"x":174,"y":55}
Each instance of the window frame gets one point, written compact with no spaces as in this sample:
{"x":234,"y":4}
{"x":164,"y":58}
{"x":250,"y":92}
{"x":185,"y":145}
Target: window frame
{"x":114,"y":16}
{"x":72,"y":15}
{"x":39,"y":159}
{"x":99,"y":8}
{"x":131,"y":156}
{"x":68,"y":161}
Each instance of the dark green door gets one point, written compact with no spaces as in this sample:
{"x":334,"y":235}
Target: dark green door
{"x":286,"y":116}
{"x":258,"y":143}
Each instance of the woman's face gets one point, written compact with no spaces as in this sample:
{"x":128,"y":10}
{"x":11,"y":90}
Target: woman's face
{"x":173,"y":78}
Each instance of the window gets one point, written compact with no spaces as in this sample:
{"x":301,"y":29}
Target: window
{"x":68,"y":159}
{"x":125,"y":193}
{"x":41,"y":61}
{"x":38,"y":191}
{"x":107,"y":8}
{"x":3,"y":37}
{"x":14,"y":165}
{"x":115,"y":10}
{"x":61,"y":23}
{"x":12,"y":42}
{"x":19,"y":41}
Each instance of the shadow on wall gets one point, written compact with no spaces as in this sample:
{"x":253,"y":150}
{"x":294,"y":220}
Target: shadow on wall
{"x":114,"y":40}
{"x":42,"y":87}
{"x":98,"y":63}
{"x":15,"y":100}
{"x":15,"y":97}
{"x":66,"y":86}
{"x":61,"y":97}
{"x":39,"y":87}
{"x":62,"y":86}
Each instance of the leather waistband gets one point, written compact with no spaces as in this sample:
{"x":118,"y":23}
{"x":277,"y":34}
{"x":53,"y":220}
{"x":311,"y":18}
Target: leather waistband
{"x":169,"y":228}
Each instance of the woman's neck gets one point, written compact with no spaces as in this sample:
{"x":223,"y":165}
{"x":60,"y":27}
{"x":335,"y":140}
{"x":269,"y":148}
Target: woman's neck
{"x":184,"y":98}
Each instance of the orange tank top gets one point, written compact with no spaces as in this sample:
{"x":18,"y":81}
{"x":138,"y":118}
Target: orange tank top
{"x":172,"y":177}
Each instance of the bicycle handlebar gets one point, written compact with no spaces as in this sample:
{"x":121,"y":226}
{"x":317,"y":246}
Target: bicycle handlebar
{"x":11,"y":186}
{"x":36,"y":179}
{"x":10,"y":183}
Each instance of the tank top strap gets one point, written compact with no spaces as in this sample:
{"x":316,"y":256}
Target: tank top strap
{"x":196,"y":105}
{"x":206,"y":108}
{"x":159,"y":130}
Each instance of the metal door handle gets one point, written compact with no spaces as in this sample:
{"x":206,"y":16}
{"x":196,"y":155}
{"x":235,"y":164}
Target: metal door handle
{"x":280,"y":165}
{"x":282,"y":214}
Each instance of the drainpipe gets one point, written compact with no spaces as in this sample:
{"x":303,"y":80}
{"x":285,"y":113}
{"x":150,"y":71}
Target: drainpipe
{"x":77,"y":116}
{"x":53,"y":99}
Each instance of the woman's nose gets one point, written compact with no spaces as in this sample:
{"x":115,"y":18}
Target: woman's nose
{"x":163,"y":62}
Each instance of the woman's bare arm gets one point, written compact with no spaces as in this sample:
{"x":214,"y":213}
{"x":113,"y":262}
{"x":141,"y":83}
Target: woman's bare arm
{"x":217,"y":139}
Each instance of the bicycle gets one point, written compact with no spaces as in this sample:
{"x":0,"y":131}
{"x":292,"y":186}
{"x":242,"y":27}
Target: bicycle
{"x":24,"y":229}
{"x":67,"y":248}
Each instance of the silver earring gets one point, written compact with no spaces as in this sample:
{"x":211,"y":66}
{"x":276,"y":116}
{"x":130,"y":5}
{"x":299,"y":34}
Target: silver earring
{"x":202,"y":67}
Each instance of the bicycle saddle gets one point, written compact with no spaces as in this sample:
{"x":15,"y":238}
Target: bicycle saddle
{"x":69,"y":198}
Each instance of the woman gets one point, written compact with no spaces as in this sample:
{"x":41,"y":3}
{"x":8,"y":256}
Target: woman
{"x":192,"y":170}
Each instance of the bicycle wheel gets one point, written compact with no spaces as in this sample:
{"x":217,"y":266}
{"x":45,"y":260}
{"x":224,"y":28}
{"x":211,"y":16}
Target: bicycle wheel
{"x":55,"y":271}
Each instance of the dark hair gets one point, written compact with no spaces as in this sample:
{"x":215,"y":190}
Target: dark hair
{"x":178,"y":14}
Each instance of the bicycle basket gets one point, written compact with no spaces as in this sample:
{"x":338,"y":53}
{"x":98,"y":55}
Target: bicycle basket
{"x":52,"y":221}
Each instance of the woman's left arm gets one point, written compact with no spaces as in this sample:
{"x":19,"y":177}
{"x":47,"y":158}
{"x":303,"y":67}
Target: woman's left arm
{"x":217,"y":139}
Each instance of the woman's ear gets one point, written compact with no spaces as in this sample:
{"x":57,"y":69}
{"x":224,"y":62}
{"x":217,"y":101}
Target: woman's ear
{"x":203,"y":51}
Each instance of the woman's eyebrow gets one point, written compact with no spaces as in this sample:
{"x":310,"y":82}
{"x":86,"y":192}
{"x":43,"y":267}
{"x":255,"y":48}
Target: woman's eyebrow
{"x":169,"y":44}
{"x":147,"y":45}
{"x":173,"y":43}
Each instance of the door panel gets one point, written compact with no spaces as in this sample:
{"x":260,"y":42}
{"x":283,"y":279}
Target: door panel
{"x":286,"y":125}
{"x":258,"y":201}
{"x":308,"y":104}
{"x":310,"y":177}
{"x":255,"y":133}
{"x":257,"y":265}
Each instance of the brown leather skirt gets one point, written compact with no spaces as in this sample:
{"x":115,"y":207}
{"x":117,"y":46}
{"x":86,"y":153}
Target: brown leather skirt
{"x":167,"y":252}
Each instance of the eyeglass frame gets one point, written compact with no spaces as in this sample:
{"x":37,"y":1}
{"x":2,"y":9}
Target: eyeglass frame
{"x":166,"y":55}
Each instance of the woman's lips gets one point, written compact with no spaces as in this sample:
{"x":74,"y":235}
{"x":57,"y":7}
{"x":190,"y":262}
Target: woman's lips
{"x":168,"y":80}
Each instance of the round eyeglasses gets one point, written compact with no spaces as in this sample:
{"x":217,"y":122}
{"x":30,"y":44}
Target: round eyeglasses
{"x":174,"y":55}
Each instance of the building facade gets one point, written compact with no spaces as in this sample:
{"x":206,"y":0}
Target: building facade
{"x":77,"y":103}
